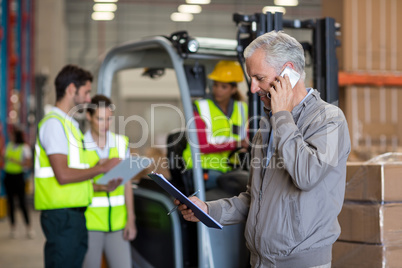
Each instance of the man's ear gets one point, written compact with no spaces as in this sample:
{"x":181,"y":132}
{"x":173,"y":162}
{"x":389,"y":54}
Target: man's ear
{"x":71,"y":89}
{"x":290,"y":64}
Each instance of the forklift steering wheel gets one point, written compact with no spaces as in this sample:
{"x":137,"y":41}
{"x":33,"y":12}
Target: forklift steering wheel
{"x":242,"y":156}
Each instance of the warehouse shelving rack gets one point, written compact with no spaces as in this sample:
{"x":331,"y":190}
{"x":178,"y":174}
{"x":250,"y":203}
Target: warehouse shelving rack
{"x":3,"y":63}
{"x":16,"y":75}
{"x":16,"y":66}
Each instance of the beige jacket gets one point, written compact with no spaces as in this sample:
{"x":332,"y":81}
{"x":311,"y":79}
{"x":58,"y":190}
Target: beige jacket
{"x":291,"y":205}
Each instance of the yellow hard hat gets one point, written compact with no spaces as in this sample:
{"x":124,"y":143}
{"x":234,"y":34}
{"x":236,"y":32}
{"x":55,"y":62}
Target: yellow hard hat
{"x":227,"y":71}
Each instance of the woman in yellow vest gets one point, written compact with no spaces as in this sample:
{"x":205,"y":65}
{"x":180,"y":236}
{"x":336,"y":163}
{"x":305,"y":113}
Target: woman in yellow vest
{"x":17,"y":158}
{"x":110,"y":218}
{"x":221,"y":122}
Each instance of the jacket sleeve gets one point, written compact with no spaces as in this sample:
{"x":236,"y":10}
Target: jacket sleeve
{"x":232,"y":210}
{"x":309,"y":157}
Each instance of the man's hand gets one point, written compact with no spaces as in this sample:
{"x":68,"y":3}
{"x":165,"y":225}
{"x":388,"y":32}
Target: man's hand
{"x":113,"y":184}
{"x":282,"y":95}
{"x":108,"y":164}
{"x":245,"y":144}
{"x":187,"y":213}
{"x":109,"y":187}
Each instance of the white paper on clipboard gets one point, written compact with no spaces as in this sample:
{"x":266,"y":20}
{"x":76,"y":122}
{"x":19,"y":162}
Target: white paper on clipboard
{"x":126,"y":169}
{"x":199,"y":213}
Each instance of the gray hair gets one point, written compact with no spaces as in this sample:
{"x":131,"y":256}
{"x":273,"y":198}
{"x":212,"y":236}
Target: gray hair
{"x":279,"y":48}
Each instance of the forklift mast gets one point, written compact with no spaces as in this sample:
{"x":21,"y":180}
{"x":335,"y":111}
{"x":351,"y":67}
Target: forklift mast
{"x":179,"y":243}
{"x":322,"y":50}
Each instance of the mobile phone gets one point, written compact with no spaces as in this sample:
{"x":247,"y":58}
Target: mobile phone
{"x":293,"y":77}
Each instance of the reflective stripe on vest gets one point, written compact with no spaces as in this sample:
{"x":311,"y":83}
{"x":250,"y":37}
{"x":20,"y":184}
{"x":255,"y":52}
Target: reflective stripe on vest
{"x":14,"y":152}
{"x":218,"y":131}
{"x":49,"y":194}
{"x":112,"y":201}
{"x":205,"y":114}
{"x":108,"y":211}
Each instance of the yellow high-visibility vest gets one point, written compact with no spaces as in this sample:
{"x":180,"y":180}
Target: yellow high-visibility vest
{"x":49,"y":194}
{"x":219,"y":130}
{"x":15,"y":153}
{"x":108,"y":212}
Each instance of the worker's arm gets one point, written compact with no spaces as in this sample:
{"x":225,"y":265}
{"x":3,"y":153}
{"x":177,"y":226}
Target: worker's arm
{"x":65,"y":174}
{"x":27,"y":162}
{"x":130,"y":231}
{"x":109,"y":187}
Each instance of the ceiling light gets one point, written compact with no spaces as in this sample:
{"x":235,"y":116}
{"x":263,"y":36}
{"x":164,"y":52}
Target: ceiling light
{"x":106,"y":1}
{"x":273,"y":9}
{"x":290,"y":3}
{"x":190,"y":9}
{"x":177,"y":16}
{"x":199,"y":2}
{"x":105,"y":7}
{"x":102,"y":15}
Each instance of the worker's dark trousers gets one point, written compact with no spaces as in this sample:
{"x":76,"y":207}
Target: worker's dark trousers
{"x":66,"y":237}
{"x":15,"y":186}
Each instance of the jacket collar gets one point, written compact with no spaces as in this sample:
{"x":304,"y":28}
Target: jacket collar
{"x":313,"y":97}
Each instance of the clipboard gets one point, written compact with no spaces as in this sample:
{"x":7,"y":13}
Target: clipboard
{"x":200,"y":214}
{"x":126,"y":169}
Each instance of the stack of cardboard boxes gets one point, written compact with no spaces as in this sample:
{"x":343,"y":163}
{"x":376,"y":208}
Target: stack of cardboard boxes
{"x":370,"y":46}
{"x":371,"y":217}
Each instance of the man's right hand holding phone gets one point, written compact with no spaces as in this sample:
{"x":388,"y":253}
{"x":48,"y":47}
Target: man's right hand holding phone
{"x":282,"y":95}
{"x":282,"y":88}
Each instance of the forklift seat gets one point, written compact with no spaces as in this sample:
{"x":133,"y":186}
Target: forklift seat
{"x":180,"y":177}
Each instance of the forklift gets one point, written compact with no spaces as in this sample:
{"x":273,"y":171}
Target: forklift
{"x":170,"y":241}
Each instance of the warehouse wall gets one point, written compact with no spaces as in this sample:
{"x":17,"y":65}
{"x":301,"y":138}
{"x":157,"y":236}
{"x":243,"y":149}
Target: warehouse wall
{"x":90,"y":40}
{"x":67,"y":34}
{"x":50,"y":42}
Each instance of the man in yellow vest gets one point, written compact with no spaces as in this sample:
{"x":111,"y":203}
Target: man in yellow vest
{"x":63,"y":189}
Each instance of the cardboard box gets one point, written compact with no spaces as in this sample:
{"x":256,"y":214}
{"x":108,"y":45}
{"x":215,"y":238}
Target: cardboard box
{"x":372,"y":115}
{"x":352,"y":255}
{"x":374,"y":182}
{"x":369,"y":45}
{"x":371,"y":223}
{"x":369,"y":33}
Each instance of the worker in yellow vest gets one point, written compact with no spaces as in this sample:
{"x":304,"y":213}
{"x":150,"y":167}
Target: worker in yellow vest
{"x":110,"y":217}
{"x":221,"y":122}
{"x":63,"y":189}
{"x":17,"y":158}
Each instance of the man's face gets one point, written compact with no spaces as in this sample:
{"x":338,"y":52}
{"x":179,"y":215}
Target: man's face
{"x":83,"y":94}
{"x":261,"y":75}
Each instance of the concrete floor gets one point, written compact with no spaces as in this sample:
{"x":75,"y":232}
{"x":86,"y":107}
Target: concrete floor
{"x":21,"y":252}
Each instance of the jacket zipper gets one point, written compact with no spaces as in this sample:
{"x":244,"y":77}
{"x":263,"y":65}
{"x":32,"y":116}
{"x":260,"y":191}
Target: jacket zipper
{"x":256,"y":217}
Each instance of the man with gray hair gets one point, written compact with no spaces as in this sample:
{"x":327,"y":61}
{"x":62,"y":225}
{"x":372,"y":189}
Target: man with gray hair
{"x":298,"y":165}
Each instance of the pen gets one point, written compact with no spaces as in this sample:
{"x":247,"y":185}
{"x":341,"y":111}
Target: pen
{"x":176,"y":207}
